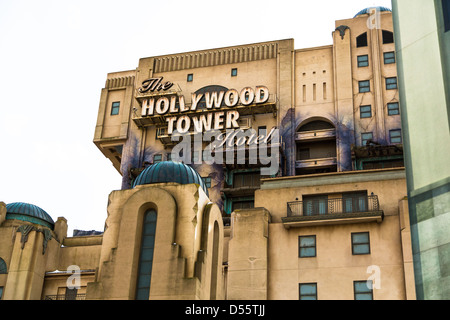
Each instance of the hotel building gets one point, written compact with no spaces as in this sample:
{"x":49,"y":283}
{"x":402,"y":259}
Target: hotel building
{"x":309,"y":201}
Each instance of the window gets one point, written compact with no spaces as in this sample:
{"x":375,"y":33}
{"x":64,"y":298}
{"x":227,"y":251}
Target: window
{"x":393,"y":109}
{"x":364,"y":86}
{"x":234,"y":72}
{"x":446,"y":11}
{"x":366,"y":111}
{"x":306,"y":246}
{"x":395,"y":136}
{"x":262,"y":130}
{"x":366,"y":137}
{"x":391,"y":83}
{"x":360,"y":243}
{"x":303,"y":154}
{"x":71,"y":294}
{"x":246,"y":179}
{"x":388,"y":37}
{"x":389,"y":57}
{"x":157,"y":158}
{"x":3,"y":269}
{"x":190,"y":77}
{"x":355,"y":202}
{"x":361,"y":40}
{"x":169,"y":156}
{"x":146,"y":255}
{"x":307,"y":291}
{"x":115,"y":108}
{"x":363,"y":61}
{"x":1,"y":293}
{"x":315,"y":205}
{"x":207,"y":182}
{"x":363,"y":290}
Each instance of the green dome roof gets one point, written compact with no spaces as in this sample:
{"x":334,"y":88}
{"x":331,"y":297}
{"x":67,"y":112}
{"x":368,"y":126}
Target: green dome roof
{"x":170,"y":171}
{"x":367,"y":10}
{"x":28,"y":212}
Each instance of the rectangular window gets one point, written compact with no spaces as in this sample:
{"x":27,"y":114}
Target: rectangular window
{"x":446,"y":11}
{"x":363,"y":61}
{"x":389,"y":57}
{"x":169,"y":156}
{"x":157,"y":158}
{"x":190,"y":77}
{"x":1,"y":292}
{"x":363,"y":290}
{"x":360,"y":243}
{"x":393,"y":109}
{"x":366,"y":137}
{"x":366,"y":112}
{"x":364,"y":86}
{"x":262,"y":130}
{"x":395,"y":136}
{"x":315,"y":205}
{"x":306,"y":246}
{"x":115,"y":108}
{"x":207,"y":182}
{"x":355,"y":202}
{"x":234,"y":72}
{"x":391,"y":83}
{"x":307,"y":291}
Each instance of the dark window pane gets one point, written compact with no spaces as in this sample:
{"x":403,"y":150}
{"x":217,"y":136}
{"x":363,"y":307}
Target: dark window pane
{"x":361,"y":41}
{"x":388,"y":37}
{"x":446,"y":11}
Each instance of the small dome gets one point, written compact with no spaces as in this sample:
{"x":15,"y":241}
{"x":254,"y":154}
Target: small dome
{"x":170,"y":171}
{"x":367,"y":10}
{"x":28,"y":212}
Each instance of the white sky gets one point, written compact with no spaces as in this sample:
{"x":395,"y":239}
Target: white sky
{"x":54,"y":57}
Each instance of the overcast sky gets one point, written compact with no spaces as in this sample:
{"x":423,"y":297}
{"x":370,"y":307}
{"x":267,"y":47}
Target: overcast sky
{"x":54,"y":57}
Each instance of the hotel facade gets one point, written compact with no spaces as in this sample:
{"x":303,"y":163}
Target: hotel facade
{"x":256,"y":171}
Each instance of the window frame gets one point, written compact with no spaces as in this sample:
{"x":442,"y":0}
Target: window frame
{"x":354,"y":243}
{"x":159,"y":155}
{"x":313,"y":284}
{"x":389,"y":60}
{"x":362,"y":138}
{"x":369,"y":290}
{"x":300,"y":255}
{"x":190,"y":77}
{"x":397,"y":109}
{"x":362,"y":87}
{"x":446,"y":14}
{"x":361,"y":112}
{"x":399,"y":136}
{"x":234,"y":72}
{"x":391,"y":86}
{"x":115,"y":108}
{"x":207,"y":181}
{"x":363,"y":63}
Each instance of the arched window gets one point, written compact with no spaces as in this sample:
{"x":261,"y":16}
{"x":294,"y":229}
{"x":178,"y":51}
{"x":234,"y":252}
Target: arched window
{"x":361,"y":40}
{"x":388,"y":37}
{"x":3,"y":269}
{"x":214,"y":88}
{"x":215,"y":262}
{"x":146,"y":255}
{"x":316,"y":125}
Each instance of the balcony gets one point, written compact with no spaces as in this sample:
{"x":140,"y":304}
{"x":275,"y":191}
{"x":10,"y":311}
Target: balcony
{"x":345,"y":210}
{"x":81,"y":296}
{"x":316,"y":163}
{"x":316,"y":135}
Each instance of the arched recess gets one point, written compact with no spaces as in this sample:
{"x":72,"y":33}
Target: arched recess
{"x":146,"y":255}
{"x":122,"y":239}
{"x":209,"y":260}
{"x":316,"y":147}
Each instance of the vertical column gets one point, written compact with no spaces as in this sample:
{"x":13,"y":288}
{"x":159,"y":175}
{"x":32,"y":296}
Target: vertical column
{"x":247,"y":255}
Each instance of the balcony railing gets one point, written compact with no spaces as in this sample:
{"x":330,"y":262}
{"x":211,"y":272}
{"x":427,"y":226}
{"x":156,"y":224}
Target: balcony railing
{"x":80,"y":296}
{"x":360,"y":204}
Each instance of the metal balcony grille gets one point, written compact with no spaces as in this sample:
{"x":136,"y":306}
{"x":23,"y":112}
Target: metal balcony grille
{"x":344,"y":205}
{"x":80,"y":296}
